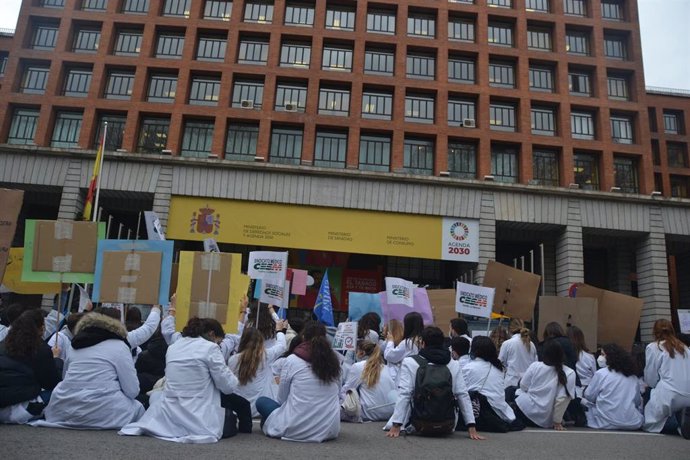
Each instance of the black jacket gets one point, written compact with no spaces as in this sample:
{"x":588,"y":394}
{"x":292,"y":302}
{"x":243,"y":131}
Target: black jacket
{"x":23,"y":379}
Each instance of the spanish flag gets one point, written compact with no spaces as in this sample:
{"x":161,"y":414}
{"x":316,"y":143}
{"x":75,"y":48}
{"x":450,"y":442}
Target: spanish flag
{"x":91,"y":194}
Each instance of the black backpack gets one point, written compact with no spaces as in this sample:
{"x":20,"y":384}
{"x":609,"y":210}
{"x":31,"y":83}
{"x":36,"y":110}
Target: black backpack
{"x":433,"y":403}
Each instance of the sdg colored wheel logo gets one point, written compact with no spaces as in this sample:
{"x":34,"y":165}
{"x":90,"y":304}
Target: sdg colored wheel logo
{"x":459,"y":231}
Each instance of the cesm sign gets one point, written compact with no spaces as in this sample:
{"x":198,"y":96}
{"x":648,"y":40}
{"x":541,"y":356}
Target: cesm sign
{"x":460,"y":240}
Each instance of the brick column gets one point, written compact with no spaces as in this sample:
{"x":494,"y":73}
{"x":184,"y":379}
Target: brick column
{"x":487,"y":234}
{"x":569,"y":257}
{"x":71,"y":201}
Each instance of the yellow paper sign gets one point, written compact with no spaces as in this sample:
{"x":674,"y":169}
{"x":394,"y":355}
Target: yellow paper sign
{"x":13,"y":277}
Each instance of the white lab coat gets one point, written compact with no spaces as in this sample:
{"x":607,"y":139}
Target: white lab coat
{"x":485,"y":378}
{"x":394,"y":356}
{"x":616,"y":401}
{"x":310,"y":409}
{"x":516,"y":358}
{"x":669,"y":379}
{"x":538,"y":391}
{"x":586,"y":367}
{"x":98,"y":389}
{"x":140,"y":335}
{"x":377,"y":402}
{"x":263,"y":383}
{"x":189,"y":409}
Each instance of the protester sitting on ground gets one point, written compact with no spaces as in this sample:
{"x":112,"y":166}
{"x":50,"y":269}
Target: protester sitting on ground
{"x":545,"y":390}
{"x":460,"y":350}
{"x":308,"y":407}
{"x":586,"y":364}
{"x":29,"y":369}
{"x":612,"y":397}
{"x":394,"y":354}
{"x":370,"y":379}
{"x":498,"y":336}
{"x":100,"y":383}
{"x":10,"y":314}
{"x":517,"y":353}
{"x":63,"y":338}
{"x":140,"y":335}
{"x":189,"y":409}
{"x":252,"y":365}
{"x":277,"y":366}
{"x":554,"y":332}
{"x":423,"y":410}
{"x":150,"y":365}
{"x":667,"y":373}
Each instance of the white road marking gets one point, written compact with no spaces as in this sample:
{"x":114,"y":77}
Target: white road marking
{"x":629,"y":433}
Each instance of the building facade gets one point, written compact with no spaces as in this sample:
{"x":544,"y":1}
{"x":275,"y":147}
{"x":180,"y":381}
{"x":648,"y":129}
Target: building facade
{"x":529,"y":117}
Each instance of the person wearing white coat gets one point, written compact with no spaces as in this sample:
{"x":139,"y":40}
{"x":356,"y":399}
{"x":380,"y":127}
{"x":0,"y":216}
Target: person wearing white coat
{"x":586,"y":365}
{"x":517,"y":353}
{"x":612,"y":396}
{"x":667,"y":373}
{"x":100,"y":381}
{"x":413,"y":324}
{"x":189,"y":408}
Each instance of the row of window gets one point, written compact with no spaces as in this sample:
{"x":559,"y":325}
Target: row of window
{"x":676,"y":154}
{"x":674,"y":121}
{"x":330,"y":148}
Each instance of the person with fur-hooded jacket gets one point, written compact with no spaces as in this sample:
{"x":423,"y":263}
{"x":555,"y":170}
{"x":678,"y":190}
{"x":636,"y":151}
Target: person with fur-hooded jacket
{"x":100,"y":382}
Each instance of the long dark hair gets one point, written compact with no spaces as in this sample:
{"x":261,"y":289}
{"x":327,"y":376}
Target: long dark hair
{"x":368,"y":322}
{"x":197,"y":327}
{"x":252,"y":354}
{"x":619,"y":360}
{"x":553,"y":330}
{"x":484,"y":348}
{"x":324,"y":362}
{"x":554,"y":357}
{"x":413,"y":326}
{"x":576,"y":336}
{"x":294,"y":343}
{"x":267,"y":325}
{"x":24,"y":337}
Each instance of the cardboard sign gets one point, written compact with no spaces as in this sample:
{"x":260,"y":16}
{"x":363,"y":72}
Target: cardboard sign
{"x":11,"y":203}
{"x":516,"y":290}
{"x":13,"y":277}
{"x":399,"y":291}
{"x":567,"y":311}
{"x":267,"y":265}
{"x":474,"y":300}
{"x":442,"y":306}
{"x":345,"y":337}
{"x":684,"y":320}
{"x":619,"y":315}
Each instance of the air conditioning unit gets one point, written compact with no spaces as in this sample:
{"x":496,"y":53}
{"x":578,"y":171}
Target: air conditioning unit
{"x":468,"y":123}
{"x":247,"y":104}
{"x":290,"y":107}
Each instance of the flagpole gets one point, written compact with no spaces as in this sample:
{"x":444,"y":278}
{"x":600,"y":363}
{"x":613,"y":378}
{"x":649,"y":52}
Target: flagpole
{"x":100,"y":170}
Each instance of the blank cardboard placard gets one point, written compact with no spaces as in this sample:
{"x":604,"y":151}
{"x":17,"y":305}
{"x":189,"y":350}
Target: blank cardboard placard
{"x":442,"y":306}
{"x":11,"y":201}
{"x":516,"y":290}
{"x":13,"y":277}
{"x":619,"y":315}
{"x":130,"y":277}
{"x":566,"y":311}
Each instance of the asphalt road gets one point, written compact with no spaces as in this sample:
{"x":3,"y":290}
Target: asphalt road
{"x":356,"y":442}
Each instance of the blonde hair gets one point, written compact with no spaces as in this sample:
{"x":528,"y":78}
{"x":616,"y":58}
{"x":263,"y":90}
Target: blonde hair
{"x":395,"y":327}
{"x":372,"y":369}
{"x":517,"y":326}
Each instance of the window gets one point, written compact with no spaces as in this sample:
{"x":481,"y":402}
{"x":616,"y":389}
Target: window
{"x":680,"y":187}
{"x":257,"y":11}
{"x":291,"y":97}
{"x":177,"y":8}
{"x":462,"y":159}
{"x":242,"y":141}
{"x":197,"y":138}
{"x":247,"y":94}
{"x":625,"y":173}
{"x":539,"y":39}
{"x":500,"y":3}
{"x":379,"y":61}
{"x":461,"y":29}
{"x":582,"y":125}
{"x":460,"y":110}
{"x":579,"y":83}
{"x":504,"y":164}
{"x":382,"y":22}
{"x":135,"y":6}
{"x":421,"y":66}
{"x":170,"y":46}
{"x":340,"y":18}
{"x":651,"y":112}
{"x":545,"y":167}
{"x":541,"y":6}
{"x":418,"y":156}
{"x":618,"y":88}
{"x":335,"y":58}
{"x":77,"y":82}
{"x":334,"y":101}
{"x":461,"y":70}
{"x":4,"y":56}
{"x":612,"y":10}
{"x":330,"y":149}
{"x":419,"y":109}
{"x":377,"y":105}
{"x":295,"y":55}
{"x":621,"y":129}
{"x":86,"y":41}
{"x":219,"y":10}
{"x":656,"y":155}
{"x":501,"y":75}
{"x":577,"y":42}
{"x":119,"y":85}
{"x":575,"y":7}
{"x":502,"y":117}
{"x":586,"y":169}
{"x":115,"y":134}
{"x":543,"y":121}
{"x":253,"y":51}
{"x":421,"y":25}
{"x":677,"y":155}
{"x":204,"y":90}
{"x":53,"y":3}
{"x":375,"y":153}
{"x":500,"y":33}
{"x":615,"y":48}
{"x":162,"y":88}
{"x":541,"y":79}
{"x":128,"y":42}
{"x":44,"y":37}
{"x":34,"y":79}
{"x":298,"y":14}
{"x":66,"y":130}
{"x":23,"y":128}
{"x":153,"y":135}
{"x":211,"y":48}
{"x":286,"y":145}
{"x":671,"y":123}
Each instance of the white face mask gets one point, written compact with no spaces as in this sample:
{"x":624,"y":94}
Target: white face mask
{"x":601,"y":361}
